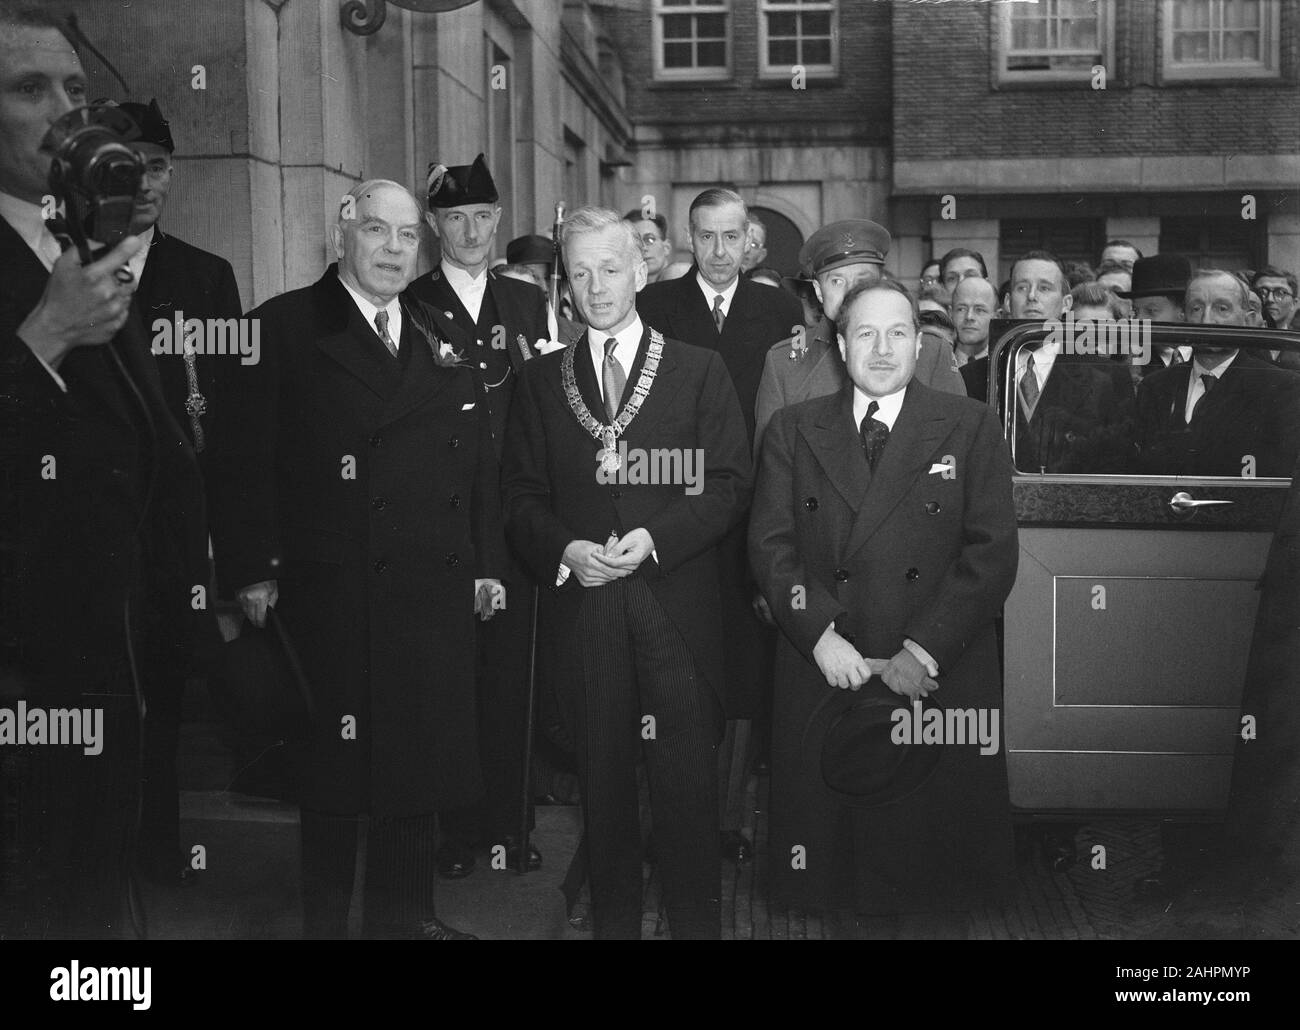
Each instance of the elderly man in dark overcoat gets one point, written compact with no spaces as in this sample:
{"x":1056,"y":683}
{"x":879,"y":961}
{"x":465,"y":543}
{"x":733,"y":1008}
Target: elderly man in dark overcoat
{"x":357,"y":493}
{"x":884,"y":538}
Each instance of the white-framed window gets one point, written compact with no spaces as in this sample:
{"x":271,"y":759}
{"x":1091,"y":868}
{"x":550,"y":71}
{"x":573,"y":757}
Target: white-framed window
{"x":802,"y":33}
{"x":1054,"y":40}
{"x":692,"y":39}
{"x":1220,"y":39}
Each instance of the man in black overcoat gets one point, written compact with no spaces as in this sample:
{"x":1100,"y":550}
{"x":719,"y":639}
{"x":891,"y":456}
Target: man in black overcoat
{"x":357,"y":493}
{"x":714,"y":306}
{"x":91,"y":461}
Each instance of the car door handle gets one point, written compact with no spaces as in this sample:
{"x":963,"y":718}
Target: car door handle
{"x":1183,"y":501}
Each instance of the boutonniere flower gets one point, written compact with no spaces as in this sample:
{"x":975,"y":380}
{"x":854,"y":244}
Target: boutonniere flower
{"x":443,"y":352}
{"x":549,"y":346}
{"x":798,"y":348}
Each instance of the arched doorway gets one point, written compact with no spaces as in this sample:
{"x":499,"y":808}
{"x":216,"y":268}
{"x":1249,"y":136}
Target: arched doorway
{"x":783,"y":240}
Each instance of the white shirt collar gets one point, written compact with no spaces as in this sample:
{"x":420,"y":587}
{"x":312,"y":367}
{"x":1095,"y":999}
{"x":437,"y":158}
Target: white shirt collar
{"x":1201,"y":370}
{"x":461,"y":279}
{"x":28,"y":222}
{"x":629,"y":340}
{"x":890,"y":405}
{"x":369,"y":310}
{"x":137,"y":263}
{"x":711,"y":291}
{"x":1044,"y":359}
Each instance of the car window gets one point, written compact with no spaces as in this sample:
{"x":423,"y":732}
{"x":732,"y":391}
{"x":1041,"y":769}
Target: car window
{"x":1148,"y":399}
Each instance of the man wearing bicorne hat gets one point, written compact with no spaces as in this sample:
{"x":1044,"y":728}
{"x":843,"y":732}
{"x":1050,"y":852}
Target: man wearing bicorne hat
{"x":503,"y":325}
{"x":176,"y":280}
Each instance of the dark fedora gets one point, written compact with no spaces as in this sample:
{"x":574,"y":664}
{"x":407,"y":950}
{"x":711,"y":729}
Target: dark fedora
{"x":258,"y":685}
{"x":849,"y":737}
{"x":1158,"y":275}
{"x":530,"y":250}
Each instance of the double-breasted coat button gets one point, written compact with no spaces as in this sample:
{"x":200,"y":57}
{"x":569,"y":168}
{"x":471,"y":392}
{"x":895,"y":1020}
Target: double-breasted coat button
{"x":932,"y":508}
{"x":841,"y":575}
{"x":455,"y":500}
{"x":449,"y":314}
{"x":616,"y":494}
{"x":378,"y":503}
{"x":454,"y":441}
{"x":376,"y":440}
{"x":810,"y":503}
{"x":381,"y":565}
{"x":453,"y":560}
{"x":913,"y":575}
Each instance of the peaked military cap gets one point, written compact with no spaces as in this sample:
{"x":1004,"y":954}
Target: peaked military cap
{"x":854,"y":241}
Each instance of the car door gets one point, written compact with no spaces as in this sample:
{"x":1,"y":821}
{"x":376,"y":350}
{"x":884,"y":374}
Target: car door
{"x":1127,"y":633}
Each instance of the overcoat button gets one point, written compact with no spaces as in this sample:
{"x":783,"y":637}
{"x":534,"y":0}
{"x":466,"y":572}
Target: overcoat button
{"x":455,"y":500}
{"x":376,"y":440}
{"x":616,"y":494}
{"x":811,"y":504}
{"x":913,"y":575}
{"x":454,"y":442}
{"x":482,"y":364}
{"x":449,"y":314}
{"x":378,"y":503}
{"x":932,"y":508}
{"x":841,"y":575}
{"x":453,"y":560}
{"x":381,"y":565}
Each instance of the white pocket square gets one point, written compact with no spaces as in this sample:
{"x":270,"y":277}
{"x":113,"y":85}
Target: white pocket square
{"x":466,"y":407}
{"x":939,"y":467}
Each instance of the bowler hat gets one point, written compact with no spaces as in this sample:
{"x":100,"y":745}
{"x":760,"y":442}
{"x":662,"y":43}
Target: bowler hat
{"x":461,"y":184}
{"x":853,"y":241}
{"x":154,"y":128}
{"x":530,"y":250}
{"x":1157,"y":275}
{"x":849,"y":738}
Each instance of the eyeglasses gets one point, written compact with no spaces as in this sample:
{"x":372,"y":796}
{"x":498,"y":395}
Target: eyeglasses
{"x":929,"y":280}
{"x":1280,"y":292}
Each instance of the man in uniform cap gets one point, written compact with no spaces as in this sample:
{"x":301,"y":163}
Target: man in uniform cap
{"x":1159,"y":283}
{"x":837,"y":257}
{"x":502,"y":322}
{"x":176,"y":281}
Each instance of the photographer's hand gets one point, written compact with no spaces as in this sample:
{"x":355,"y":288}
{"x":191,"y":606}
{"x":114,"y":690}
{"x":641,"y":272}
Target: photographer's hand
{"x":80,"y":306}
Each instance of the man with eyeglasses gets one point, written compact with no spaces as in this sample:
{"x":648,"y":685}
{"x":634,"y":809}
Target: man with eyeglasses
{"x":1277,"y":289}
{"x":656,"y":248}
{"x":176,"y":280}
{"x":930,"y":286}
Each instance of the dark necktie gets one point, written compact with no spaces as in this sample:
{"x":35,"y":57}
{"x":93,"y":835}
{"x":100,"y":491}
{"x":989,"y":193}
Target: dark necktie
{"x":719,"y":319}
{"x":381,"y":327}
{"x":1029,"y":387}
{"x":875,"y":434}
{"x":1175,"y":358}
{"x":613,"y":379}
{"x":1207,"y":384}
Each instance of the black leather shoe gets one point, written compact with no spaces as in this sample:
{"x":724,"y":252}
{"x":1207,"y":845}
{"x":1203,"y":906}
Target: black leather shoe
{"x":437,"y":930}
{"x":736,"y":847}
{"x":512,"y":854}
{"x":454,"y":861}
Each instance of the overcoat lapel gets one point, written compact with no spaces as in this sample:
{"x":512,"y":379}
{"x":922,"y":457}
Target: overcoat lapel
{"x":918,"y":430}
{"x":423,"y":377}
{"x":833,"y":440}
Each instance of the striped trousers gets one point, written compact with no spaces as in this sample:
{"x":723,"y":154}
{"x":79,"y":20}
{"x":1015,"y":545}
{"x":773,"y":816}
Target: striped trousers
{"x":639,"y":696}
